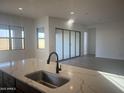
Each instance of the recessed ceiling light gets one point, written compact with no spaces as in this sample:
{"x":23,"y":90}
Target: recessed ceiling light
{"x":71,"y":13}
{"x":70,"y":21}
{"x":20,"y":8}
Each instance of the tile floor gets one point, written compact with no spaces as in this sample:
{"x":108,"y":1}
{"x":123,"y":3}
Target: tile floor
{"x":100,"y":64}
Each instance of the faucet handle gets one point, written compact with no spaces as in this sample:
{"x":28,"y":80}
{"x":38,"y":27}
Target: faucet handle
{"x":60,"y":68}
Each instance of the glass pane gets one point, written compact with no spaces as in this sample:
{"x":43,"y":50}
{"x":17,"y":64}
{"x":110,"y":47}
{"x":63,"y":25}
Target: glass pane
{"x":77,"y":43}
{"x":41,"y":35}
{"x":23,"y":34}
{"x":17,"y":43}
{"x":17,"y":32}
{"x":4,"y":44}
{"x":66,"y":44}
{"x":85,"y":42}
{"x":72,"y":44}
{"x":59,"y":43}
{"x":4,"y":31}
{"x":41,"y":43}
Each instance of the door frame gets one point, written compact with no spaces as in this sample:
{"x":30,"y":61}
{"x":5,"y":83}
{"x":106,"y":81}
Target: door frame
{"x":69,"y":42}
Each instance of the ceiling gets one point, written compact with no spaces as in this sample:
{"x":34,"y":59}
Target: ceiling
{"x":87,"y":12}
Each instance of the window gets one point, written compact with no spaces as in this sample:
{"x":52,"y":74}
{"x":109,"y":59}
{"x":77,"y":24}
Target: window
{"x":11,"y":37}
{"x":17,"y":37}
{"x":4,"y":37}
{"x":40,"y":38}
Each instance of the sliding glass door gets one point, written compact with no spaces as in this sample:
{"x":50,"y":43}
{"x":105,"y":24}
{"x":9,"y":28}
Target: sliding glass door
{"x":59,"y":43}
{"x":72,"y":44}
{"x":67,"y":43}
{"x":77,"y":36}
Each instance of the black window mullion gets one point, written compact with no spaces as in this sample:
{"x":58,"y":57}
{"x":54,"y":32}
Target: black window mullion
{"x":10,"y":42}
{"x":41,"y":38}
{"x":62,"y":44}
{"x":4,"y":37}
{"x":37,"y":39}
{"x":75,"y":43}
{"x":69,"y":44}
{"x":16,"y":38}
{"x":79,"y":43}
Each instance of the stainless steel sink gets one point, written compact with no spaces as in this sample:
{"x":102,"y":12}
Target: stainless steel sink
{"x":48,"y":79}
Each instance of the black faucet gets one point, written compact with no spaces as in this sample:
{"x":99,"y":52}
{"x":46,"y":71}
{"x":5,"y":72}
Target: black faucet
{"x":57,"y":63}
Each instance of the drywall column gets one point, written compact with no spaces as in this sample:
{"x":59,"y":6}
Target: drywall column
{"x":92,"y":41}
{"x":42,"y":53}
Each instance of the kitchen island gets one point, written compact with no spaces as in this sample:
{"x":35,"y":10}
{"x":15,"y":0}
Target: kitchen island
{"x":81,"y":80}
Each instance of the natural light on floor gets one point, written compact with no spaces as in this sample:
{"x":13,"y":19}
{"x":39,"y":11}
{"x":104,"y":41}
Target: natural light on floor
{"x":117,"y":80}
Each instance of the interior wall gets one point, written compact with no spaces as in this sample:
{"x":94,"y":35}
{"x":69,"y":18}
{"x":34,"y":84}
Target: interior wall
{"x":110,"y":40}
{"x":62,"y":23}
{"x":91,"y":41}
{"x":28,"y":25}
{"x":42,"y":53}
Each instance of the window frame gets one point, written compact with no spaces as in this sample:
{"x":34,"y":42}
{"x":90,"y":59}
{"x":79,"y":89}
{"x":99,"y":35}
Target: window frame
{"x":38,"y":30}
{"x":23,"y":38}
{"x":10,"y":38}
{"x":7,"y":26}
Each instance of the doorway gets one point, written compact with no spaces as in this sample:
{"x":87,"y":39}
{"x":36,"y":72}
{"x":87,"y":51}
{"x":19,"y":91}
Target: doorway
{"x":68,"y":43}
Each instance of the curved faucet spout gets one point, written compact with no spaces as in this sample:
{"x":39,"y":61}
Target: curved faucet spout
{"x":57,"y":58}
{"x":57,"y":63}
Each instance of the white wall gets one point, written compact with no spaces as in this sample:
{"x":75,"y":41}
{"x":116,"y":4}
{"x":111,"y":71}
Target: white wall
{"x":42,"y":53}
{"x":91,"y":41}
{"x":62,"y":23}
{"x":110,"y":40}
{"x":29,"y":37}
{"x":30,"y":25}
{"x":50,"y":23}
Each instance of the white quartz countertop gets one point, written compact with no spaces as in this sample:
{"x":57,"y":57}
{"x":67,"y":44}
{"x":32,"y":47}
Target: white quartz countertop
{"x":81,"y":80}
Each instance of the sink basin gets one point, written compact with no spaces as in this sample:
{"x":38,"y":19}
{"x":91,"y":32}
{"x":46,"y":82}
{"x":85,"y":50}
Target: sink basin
{"x":48,"y":79}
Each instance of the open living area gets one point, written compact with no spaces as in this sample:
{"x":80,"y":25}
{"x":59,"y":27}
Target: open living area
{"x":61,"y":46}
